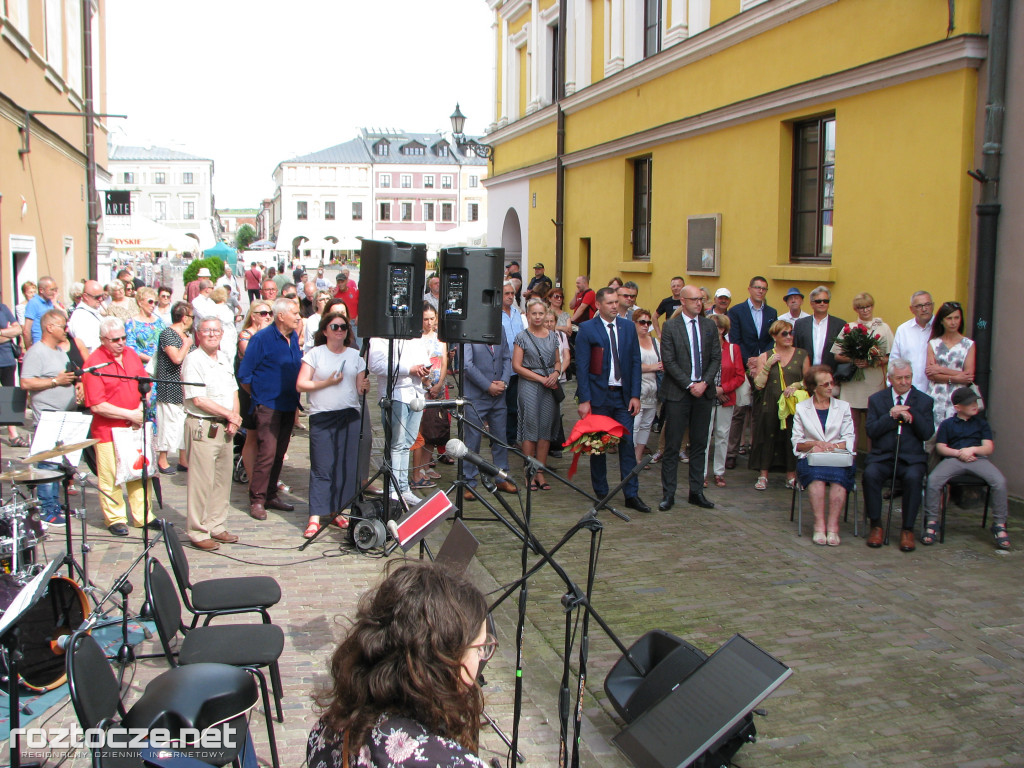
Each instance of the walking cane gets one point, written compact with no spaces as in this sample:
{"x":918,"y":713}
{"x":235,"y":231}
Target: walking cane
{"x":892,"y":486}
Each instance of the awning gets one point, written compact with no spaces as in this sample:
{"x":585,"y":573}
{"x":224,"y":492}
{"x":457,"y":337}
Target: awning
{"x":143,"y":234}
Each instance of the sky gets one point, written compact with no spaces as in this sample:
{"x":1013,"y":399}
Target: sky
{"x":250,"y":83}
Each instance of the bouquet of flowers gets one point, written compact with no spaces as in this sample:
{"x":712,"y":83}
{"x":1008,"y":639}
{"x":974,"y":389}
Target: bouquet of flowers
{"x":859,"y":343}
{"x":593,"y":434}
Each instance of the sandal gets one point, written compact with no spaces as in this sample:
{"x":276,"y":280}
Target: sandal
{"x":341,"y":522}
{"x":832,"y":538}
{"x":18,"y":442}
{"x":433,"y":475}
{"x":790,"y":483}
{"x":931,"y":533}
{"x":720,"y":481}
{"x":1002,"y":537}
{"x":761,"y":484}
{"x":422,"y":483}
{"x":311,"y":530}
{"x":819,"y":538}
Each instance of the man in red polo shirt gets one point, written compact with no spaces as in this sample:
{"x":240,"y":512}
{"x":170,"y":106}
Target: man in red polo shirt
{"x":253,"y":278}
{"x":115,"y":403}
{"x":348,"y":291}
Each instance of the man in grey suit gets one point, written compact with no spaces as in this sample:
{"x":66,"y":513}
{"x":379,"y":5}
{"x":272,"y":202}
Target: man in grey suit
{"x":488,"y":368}
{"x":692,"y":356}
{"x":817,"y":333}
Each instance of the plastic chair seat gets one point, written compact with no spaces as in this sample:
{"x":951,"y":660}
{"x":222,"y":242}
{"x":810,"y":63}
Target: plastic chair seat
{"x":240,"y":645}
{"x":217,"y":595}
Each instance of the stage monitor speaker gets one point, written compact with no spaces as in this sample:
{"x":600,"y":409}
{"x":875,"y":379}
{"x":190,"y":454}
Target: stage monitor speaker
{"x":470,"y":299}
{"x":391,"y":287}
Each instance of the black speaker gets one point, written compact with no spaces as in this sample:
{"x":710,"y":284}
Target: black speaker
{"x":470,"y":298}
{"x":391,"y":284}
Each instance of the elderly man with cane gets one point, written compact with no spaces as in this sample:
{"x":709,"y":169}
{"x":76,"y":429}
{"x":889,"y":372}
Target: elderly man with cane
{"x":899,"y":422}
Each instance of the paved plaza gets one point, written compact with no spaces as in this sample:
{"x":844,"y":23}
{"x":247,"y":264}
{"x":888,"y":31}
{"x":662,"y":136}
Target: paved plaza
{"x":899,"y":659}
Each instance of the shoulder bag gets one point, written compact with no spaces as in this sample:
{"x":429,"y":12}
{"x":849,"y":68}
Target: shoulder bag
{"x":558,"y":393}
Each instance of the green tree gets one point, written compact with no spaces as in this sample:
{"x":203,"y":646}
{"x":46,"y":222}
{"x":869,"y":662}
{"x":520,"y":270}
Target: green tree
{"x":246,"y":234}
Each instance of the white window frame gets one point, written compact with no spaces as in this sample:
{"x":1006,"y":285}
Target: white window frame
{"x":474,"y":181}
{"x":381,"y":209}
{"x":446,"y":181}
{"x":428,"y":181}
{"x":405,"y":181}
{"x":472,"y":208}
{"x":384,"y":181}
{"x":402,"y":209}
{"x":188,"y":177}
{"x":433,"y":210}
{"x":360,"y":210}
{"x":450,"y":207}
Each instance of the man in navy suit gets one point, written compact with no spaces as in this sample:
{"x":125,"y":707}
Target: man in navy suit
{"x":488,"y":369}
{"x":608,"y":363}
{"x":888,"y":409}
{"x":749,"y":323}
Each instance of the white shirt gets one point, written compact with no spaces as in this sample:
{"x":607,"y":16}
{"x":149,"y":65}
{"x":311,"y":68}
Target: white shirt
{"x":407,"y":354}
{"x":692,"y":326}
{"x":793,"y":318}
{"x":203,"y":307}
{"x":757,"y":313}
{"x":609,"y":328}
{"x":216,"y":373}
{"x":819,"y":330}
{"x":911,"y":343}
{"x":325,"y":364}
{"x":84,"y":325}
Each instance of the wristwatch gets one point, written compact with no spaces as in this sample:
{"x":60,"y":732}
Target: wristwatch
{"x":53,"y":383}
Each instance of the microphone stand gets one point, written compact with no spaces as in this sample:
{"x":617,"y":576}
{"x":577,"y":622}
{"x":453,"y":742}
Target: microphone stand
{"x":892,"y":485}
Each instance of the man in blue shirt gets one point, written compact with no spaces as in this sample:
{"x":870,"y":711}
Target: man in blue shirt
{"x":40,"y":304}
{"x":965,"y":440}
{"x":268,"y":373}
{"x":512,"y":325}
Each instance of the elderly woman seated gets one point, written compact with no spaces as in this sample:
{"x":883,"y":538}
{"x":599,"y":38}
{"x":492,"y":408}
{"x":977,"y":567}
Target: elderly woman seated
{"x":824,"y":425}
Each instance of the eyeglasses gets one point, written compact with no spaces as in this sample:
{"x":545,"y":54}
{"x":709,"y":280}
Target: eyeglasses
{"x":759,"y":287}
{"x":336,"y":327}
{"x":97,"y":297}
{"x":149,"y":301}
{"x":865,"y":306}
{"x":264,"y":312}
{"x":645,"y":322}
{"x":212,"y":332}
{"x":827,"y":384}
{"x":820,"y":301}
{"x":693,"y":298}
{"x":116,"y":339}
{"x":487,"y":648}
{"x":785,"y":333}
{"x":953,"y":305}
{"x":629,"y":295}
{"x":922,"y":306}
{"x":555,"y":296}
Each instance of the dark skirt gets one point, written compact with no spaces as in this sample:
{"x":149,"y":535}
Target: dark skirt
{"x":844,"y":476}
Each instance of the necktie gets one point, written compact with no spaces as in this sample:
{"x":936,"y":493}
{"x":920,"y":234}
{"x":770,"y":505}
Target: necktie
{"x":899,"y":399}
{"x":695,"y":350}
{"x":615,"y":353}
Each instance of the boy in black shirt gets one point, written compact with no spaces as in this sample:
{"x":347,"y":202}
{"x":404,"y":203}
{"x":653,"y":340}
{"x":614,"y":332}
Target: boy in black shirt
{"x":965,"y":440}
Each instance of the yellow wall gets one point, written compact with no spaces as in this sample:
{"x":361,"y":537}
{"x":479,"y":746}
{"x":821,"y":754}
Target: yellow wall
{"x":541,"y":230}
{"x":597,"y":35}
{"x":723,"y":9}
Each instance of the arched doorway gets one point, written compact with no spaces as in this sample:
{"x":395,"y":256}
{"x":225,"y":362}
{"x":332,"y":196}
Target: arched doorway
{"x":512,"y":237}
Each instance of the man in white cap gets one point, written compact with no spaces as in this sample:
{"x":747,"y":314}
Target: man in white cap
{"x":723,"y":298}
{"x":192,"y":289}
{"x":794,"y":300}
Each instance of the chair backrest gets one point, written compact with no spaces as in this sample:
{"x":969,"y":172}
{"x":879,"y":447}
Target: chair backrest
{"x":91,"y":682}
{"x":179,"y":562}
{"x":163,"y":601}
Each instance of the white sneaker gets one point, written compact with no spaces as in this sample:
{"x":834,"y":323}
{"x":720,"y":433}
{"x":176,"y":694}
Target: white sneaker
{"x":411,"y":498}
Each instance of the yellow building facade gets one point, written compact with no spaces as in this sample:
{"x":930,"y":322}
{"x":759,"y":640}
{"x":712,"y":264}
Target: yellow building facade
{"x":809,"y":141}
{"x":43,"y":214}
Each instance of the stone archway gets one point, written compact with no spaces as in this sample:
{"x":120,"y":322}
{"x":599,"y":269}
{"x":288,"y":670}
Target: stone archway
{"x":512,"y":236}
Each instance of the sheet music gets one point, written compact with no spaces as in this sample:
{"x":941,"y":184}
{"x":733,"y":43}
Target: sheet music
{"x":66,"y":427}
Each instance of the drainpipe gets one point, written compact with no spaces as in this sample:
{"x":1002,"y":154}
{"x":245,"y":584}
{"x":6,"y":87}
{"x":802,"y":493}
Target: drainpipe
{"x":92,"y":199}
{"x":560,"y":146}
{"x":989,"y":207}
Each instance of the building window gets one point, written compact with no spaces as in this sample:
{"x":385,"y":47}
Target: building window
{"x":642,"y":208}
{"x":187,"y":178}
{"x":385,"y":180}
{"x":159,"y":210}
{"x":188,"y":209}
{"x":556,"y":75}
{"x":329,"y":210}
{"x":406,"y":211}
{"x":474,"y":181}
{"x":159,"y":177}
{"x":127,"y":177}
{"x":446,"y":211}
{"x":357,"y":211}
{"x":406,"y":180}
{"x":814,"y":168}
{"x":652,"y":27}
{"x":413,"y":149}
{"x":446,"y":182}
{"x":473,"y":212}
{"x":428,"y":182}
{"x":442,"y":150}
{"x":302,"y":210}
{"x":428,"y":211}
{"x":385,"y":211}
{"x":382,"y":149}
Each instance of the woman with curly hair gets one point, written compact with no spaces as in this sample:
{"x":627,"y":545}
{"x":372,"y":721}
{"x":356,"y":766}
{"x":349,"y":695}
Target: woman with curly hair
{"x":403,"y":683}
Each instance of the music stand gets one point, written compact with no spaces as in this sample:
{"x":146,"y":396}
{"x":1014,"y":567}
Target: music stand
{"x":25,"y":599}
{"x":12,"y":411}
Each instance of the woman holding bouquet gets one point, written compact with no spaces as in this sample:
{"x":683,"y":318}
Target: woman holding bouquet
{"x":870,"y":374}
{"x":535,"y":358}
{"x":777,"y":373}
{"x":950,"y":359}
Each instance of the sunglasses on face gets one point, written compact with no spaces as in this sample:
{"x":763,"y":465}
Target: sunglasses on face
{"x":116,"y":339}
{"x":97,"y":297}
{"x":264,"y":313}
{"x":149,"y":301}
{"x":336,"y":327}
{"x":820,"y":301}
{"x":645,"y":322}
{"x":785,"y":333}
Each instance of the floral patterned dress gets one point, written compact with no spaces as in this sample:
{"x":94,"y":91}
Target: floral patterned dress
{"x":942,"y":392}
{"x":394,"y":742}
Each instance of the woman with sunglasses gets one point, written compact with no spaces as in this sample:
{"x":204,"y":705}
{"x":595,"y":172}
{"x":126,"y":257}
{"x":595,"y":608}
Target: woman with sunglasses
{"x":651,"y":370}
{"x":312,"y":323}
{"x":174,"y":343}
{"x":145,"y":328}
{"x":950,"y":359}
{"x":259,"y":316}
{"x":403,"y":686}
{"x":771,"y":444}
{"x":555,"y":300}
{"x":334,"y":376}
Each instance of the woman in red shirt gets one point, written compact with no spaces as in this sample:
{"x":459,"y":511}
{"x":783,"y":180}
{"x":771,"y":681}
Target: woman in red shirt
{"x":731,"y":378}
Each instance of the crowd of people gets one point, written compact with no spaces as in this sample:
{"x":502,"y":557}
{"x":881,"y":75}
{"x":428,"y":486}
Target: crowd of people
{"x":697,"y":380}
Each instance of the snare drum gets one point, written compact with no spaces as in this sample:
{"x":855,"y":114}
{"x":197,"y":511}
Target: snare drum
{"x":61,"y":610}
{"x":26,"y":552}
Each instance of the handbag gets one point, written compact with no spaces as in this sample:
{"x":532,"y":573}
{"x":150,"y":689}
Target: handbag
{"x":844,"y":372}
{"x":840,"y":458}
{"x":558,"y":393}
{"x":129,"y":444}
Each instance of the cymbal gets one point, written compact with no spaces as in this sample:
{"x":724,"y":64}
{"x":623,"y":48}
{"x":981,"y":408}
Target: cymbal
{"x":53,"y":453}
{"x":30,"y":476}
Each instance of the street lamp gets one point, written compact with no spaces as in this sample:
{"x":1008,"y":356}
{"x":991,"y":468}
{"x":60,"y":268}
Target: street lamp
{"x":458,"y":123}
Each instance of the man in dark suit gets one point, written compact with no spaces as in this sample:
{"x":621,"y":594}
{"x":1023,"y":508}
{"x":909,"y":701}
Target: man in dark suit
{"x":749,"y":322}
{"x":488,"y":368}
{"x":890,"y":410}
{"x":817,"y":333}
{"x":692,"y":355}
{"x":608,"y":363}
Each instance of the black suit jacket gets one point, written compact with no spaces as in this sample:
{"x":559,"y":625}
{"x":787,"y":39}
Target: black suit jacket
{"x":675,"y":355}
{"x":744,"y":332}
{"x":881,"y":427}
{"x":803,"y":338}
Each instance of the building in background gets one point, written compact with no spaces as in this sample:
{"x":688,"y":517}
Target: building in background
{"x":172,"y":188}
{"x":43,"y":212}
{"x":413,"y":187}
{"x":229,"y":220}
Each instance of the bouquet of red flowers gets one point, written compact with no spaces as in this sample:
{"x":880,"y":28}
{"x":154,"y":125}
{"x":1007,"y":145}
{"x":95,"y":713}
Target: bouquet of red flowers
{"x":859,"y":343}
{"x":593,"y":434}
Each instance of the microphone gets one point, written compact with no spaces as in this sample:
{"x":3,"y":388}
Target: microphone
{"x":458,"y":449}
{"x":418,"y":403}
{"x":92,"y":368}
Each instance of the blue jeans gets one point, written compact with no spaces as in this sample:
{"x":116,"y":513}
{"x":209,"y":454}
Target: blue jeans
{"x":405,"y":426}
{"x":49,"y":493}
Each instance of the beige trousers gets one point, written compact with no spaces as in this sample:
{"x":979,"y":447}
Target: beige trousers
{"x":114,"y":511}
{"x":210,"y":461}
